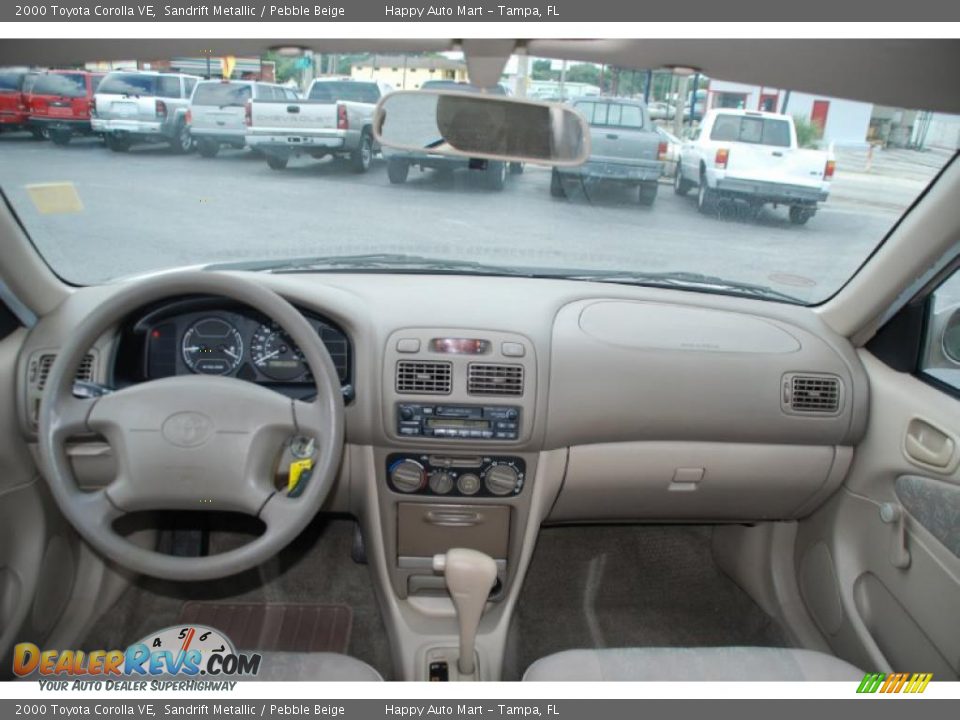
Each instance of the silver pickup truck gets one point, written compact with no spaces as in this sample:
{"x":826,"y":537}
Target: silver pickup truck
{"x":335,"y":119}
{"x":625,"y":147}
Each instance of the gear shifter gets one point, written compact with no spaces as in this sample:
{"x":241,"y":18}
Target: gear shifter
{"x":469,"y":575}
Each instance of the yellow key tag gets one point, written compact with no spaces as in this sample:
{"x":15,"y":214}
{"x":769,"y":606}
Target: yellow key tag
{"x":297,"y":469}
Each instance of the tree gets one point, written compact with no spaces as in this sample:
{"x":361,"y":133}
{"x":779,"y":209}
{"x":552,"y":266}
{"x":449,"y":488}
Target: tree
{"x":584,"y":73}
{"x":542,"y":70}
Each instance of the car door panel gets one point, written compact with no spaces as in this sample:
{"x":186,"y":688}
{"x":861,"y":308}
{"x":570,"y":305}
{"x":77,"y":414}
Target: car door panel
{"x":890,"y":538}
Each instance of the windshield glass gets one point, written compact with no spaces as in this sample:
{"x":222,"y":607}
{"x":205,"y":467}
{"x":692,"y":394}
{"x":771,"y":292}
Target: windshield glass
{"x":707,"y":183}
{"x":11,"y":81}
{"x":345,"y":90}
{"x":221,"y":94}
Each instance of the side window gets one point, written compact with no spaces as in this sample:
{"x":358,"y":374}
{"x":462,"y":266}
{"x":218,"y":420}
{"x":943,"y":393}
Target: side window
{"x":189,"y":85}
{"x":940,"y":354}
{"x":168,"y":86}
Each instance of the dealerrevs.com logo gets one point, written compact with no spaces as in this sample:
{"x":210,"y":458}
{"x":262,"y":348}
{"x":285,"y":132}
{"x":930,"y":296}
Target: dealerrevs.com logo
{"x":179,"y":652}
{"x":894,"y":682}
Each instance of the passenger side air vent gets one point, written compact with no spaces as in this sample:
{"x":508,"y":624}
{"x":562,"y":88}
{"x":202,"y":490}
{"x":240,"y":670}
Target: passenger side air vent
{"x":431,"y":378}
{"x":488,"y":379}
{"x":84,"y":372}
{"x":812,"y":394}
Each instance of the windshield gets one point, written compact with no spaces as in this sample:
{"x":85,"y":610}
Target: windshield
{"x":62,"y":84}
{"x":705,"y":183}
{"x":11,"y":81}
{"x":221,"y":94}
{"x":345,"y":90}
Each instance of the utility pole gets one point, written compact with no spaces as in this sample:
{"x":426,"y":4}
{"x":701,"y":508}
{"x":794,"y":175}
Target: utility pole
{"x":563,"y":81}
{"x":523,"y":65}
{"x":696,"y":93}
{"x":681,"y":99}
{"x":647,"y":87}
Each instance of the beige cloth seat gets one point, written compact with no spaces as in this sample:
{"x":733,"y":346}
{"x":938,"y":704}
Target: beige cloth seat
{"x":691,"y":664}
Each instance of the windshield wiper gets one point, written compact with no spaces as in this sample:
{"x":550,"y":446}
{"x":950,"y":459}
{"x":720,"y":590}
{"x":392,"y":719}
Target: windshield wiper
{"x":373,"y":262}
{"x":683,"y":280}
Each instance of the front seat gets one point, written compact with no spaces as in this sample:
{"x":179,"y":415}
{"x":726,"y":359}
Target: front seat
{"x":322,"y":666}
{"x":691,"y":664}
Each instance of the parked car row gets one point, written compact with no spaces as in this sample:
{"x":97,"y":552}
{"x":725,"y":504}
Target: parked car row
{"x":734,"y":156}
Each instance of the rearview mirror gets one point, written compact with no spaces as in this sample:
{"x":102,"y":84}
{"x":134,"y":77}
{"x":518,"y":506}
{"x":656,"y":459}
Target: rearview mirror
{"x":482,"y":126}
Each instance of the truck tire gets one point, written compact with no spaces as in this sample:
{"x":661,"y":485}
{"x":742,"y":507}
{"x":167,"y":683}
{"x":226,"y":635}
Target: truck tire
{"x":60,"y":137}
{"x":276,"y":161}
{"x":39,"y":133}
{"x":117,"y":143}
{"x":208,"y":148}
{"x":361,"y":157}
{"x":648,"y":193}
{"x":516,"y":168}
{"x":495,"y":176}
{"x":706,"y":198}
{"x":681,"y":186}
{"x":799,"y":214}
{"x":397,"y":171}
{"x":556,"y":185}
{"x":181,"y":143}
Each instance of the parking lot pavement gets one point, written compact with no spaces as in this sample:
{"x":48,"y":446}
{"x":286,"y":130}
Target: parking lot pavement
{"x":150,"y":209}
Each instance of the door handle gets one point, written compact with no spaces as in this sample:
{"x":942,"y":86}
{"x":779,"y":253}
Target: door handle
{"x":777,"y":153}
{"x":612,"y":136}
{"x":293,"y":108}
{"x":927,"y":444}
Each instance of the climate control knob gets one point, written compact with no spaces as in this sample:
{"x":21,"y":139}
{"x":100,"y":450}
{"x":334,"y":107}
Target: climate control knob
{"x":468,"y":484}
{"x":501,"y":479}
{"x":407,"y":476}
{"x":440,"y":482}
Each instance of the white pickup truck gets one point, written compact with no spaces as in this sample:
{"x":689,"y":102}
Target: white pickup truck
{"x":335,"y":119}
{"x":753,"y":157}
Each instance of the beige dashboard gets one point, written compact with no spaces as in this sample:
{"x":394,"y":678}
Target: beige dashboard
{"x":671,"y":405}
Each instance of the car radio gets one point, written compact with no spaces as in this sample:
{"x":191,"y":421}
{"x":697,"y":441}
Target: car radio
{"x":466,"y":422}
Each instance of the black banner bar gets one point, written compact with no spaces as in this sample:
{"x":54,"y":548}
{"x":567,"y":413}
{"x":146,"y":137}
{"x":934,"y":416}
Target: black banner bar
{"x":727,"y":11}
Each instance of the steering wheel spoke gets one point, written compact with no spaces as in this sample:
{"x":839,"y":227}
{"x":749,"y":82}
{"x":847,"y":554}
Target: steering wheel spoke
{"x":70,"y":416}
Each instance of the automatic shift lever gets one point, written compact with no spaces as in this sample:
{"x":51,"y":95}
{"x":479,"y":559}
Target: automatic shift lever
{"x":469,"y":575}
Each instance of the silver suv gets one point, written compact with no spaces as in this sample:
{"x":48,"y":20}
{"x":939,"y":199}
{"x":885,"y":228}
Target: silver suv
{"x":143,"y":106}
{"x":217,"y":111}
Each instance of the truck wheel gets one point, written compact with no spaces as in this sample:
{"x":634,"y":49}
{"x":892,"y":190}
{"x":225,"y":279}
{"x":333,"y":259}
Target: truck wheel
{"x":277,"y":161}
{"x":208,"y":148}
{"x":516,"y":168}
{"x":706,"y":198}
{"x":117,"y":143}
{"x":556,"y":185}
{"x":495,"y":176}
{"x":799,"y":214}
{"x":182,"y":142}
{"x":39,"y":133}
{"x":60,"y":137}
{"x":361,"y":157}
{"x":681,"y":186}
{"x":397,"y":171}
{"x":648,"y":193}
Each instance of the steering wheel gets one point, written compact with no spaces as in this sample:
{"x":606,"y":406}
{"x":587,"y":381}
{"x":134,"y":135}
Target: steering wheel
{"x":196,"y":442}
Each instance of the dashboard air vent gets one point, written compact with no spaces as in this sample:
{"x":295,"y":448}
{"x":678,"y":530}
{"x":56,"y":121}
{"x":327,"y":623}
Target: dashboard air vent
{"x":417,"y":376}
{"x":84,"y":372}
{"x":812,"y":394}
{"x":488,"y":379}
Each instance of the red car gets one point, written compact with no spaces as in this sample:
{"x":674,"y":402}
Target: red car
{"x":15,"y":83}
{"x":60,"y":103}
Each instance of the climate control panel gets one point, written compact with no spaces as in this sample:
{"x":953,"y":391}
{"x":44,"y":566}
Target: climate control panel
{"x":455,"y":476}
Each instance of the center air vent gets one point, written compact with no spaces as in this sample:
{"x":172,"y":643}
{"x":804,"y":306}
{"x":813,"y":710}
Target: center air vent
{"x":84,"y":372}
{"x":812,"y":394}
{"x":432,"y":378}
{"x":488,"y":379}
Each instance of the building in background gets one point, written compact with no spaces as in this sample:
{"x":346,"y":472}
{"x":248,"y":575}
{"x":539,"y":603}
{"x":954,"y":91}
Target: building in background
{"x":246,"y":68}
{"x":408,"y":72}
{"x":841,"y":122}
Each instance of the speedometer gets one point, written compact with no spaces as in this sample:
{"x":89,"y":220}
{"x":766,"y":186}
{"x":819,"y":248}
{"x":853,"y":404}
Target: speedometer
{"x":212,"y":347}
{"x":274,"y":354}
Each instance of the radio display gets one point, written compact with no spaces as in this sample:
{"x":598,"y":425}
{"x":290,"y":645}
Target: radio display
{"x":454,"y":422}
{"x":460,"y":346}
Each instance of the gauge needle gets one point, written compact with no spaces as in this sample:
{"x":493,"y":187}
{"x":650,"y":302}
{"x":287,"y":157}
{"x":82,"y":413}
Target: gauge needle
{"x":269,"y":355}
{"x":230,"y":353}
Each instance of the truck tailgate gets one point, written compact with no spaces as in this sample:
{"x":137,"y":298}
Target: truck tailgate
{"x":300,"y":118}
{"x":781,"y":165}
